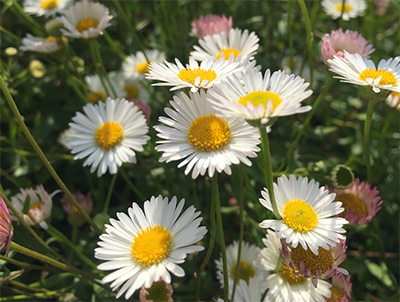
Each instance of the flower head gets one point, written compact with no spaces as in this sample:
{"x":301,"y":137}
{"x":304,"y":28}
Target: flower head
{"x":5,"y":227}
{"x":145,"y":246}
{"x":210,"y":24}
{"x":393,"y":100}
{"x":145,"y":109}
{"x":74,"y":216}
{"x":193,"y":132}
{"x":45,"y":7}
{"x":43,"y":45}
{"x":135,"y":88}
{"x":341,"y":289}
{"x":360,"y":202}
{"x":99,"y":92}
{"x":246,"y":291}
{"x":109,"y":134}
{"x":351,"y":9}
{"x":136,"y":66}
{"x":158,"y":291}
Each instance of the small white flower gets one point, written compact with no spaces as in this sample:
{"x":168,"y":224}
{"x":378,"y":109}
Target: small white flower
{"x":42,"y":45}
{"x":45,"y":7}
{"x":393,"y":100}
{"x":98,"y":91}
{"x":136,"y":66}
{"x":352,"y":8}
{"x":250,"y":292}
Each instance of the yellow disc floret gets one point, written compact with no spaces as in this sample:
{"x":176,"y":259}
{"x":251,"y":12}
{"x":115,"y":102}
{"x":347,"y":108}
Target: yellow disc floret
{"x":388,"y":77}
{"x":151,"y":246}
{"x":86,"y":23}
{"x":339,"y":7}
{"x":190,"y":75}
{"x":132,"y":92}
{"x":49,"y":4}
{"x":37,"y":205}
{"x":143,"y":68}
{"x":109,"y":135}
{"x":209,"y":133}
{"x":299,"y":215}
{"x":287,"y":275}
{"x":311,"y":261}
{"x":51,"y":39}
{"x":353,"y":203}
{"x":96,"y":96}
{"x":227,"y":52}
{"x":337,"y":293}
{"x":246,"y":271}
{"x":261,"y":97}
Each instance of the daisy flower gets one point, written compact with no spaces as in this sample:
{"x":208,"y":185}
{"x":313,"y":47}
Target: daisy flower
{"x":42,"y":45}
{"x":359,"y":201}
{"x":351,"y":41}
{"x":283,"y":285}
{"x":135,"y":89}
{"x":393,"y":100}
{"x":5,"y":227}
{"x":259,"y":98}
{"x":40,"y":204}
{"x":240,"y":45}
{"x":98,"y":91}
{"x":356,"y":70}
{"x":145,"y":246}
{"x":352,"y":8}
{"x":136,"y":66}
{"x":246,"y":291}
{"x":108,"y":135}
{"x":45,"y":7}
{"x":85,"y":20}
{"x":158,"y":291}
{"x":307,"y":212}
{"x":192,"y":76}
{"x":209,"y":25}
{"x":194,"y":133}
{"x":341,"y":289}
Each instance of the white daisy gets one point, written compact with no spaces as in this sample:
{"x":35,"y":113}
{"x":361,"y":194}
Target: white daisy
{"x":136,"y":66}
{"x":134,"y":88}
{"x":241,"y":45}
{"x":352,"y":8}
{"x":85,"y":20}
{"x":203,"y":140}
{"x":256,"y":98}
{"x":145,"y":246}
{"x":45,"y":7}
{"x":192,"y":76}
{"x":43,"y":45}
{"x":246,"y":291}
{"x":356,"y":70}
{"x":306,"y":210}
{"x":109,"y":134}
{"x":97,"y":90}
{"x":393,"y":100}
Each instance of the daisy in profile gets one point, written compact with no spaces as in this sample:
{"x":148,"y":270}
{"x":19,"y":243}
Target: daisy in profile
{"x":341,"y":289}
{"x":360,"y":202}
{"x":393,"y":100}
{"x":241,"y":45}
{"x":108,"y":134}
{"x":142,"y":246}
{"x":40,"y":204}
{"x":204,"y":141}
{"x":356,"y":70}
{"x":136,"y":66}
{"x":42,"y":45}
{"x":307,"y":212}
{"x":85,"y":20}
{"x":45,"y":8}
{"x":158,"y":291}
{"x":193,"y":76}
{"x":98,"y":92}
{"x":352,"y":8}
{"x":257,"y":98}
{"x":6,"y":228}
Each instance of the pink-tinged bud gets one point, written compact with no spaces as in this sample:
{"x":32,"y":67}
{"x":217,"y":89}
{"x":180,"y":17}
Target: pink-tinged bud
{"x":74,"y":216}
{"x":233,"y":201}
{"x":158,"y":291}
{"x":209,"y":25}
{"x":351,"y":41}
{"x":5,"y":227}
{"x":146,"y":109}
{"x":381,"y":7}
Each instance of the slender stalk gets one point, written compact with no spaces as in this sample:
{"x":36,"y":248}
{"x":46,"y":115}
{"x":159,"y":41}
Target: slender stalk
{"x":109,"y":193}
{"x":35,"y":26}
{"x":367,"y":127}
{"x":309,"y":37}
{"x":28,"y":265}
{"x":290,"y":33}
{"x":73,"y":240}
{"x":93,"y":52}
{"x":115,"y":48}
{"x":130,"y":184}
{"x":10,"y":34}
{"x":11,"y":276}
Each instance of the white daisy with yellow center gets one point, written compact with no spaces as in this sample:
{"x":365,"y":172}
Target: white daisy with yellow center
{"x":193,"y":132}
{"x":307,"y":212}
{"x":97,"y":90}
{"x":136,"y":66}
{"x":45,"y":8}
{"x":257,"y":98}
{"x":145,"y":246}
{"x":351,"y":9}
{"x":193,"y":76}
{"x":108,"y":135}
{"x":42,"y":45}
{"x":239,"y":44}
{"x":356,"y":70}
{"x":85,"y":20}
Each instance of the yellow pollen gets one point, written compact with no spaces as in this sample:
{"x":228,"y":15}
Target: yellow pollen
{"x":49,"y":4}
{"x":353,"y":203}
{"x":51,"y":39}
{"x":190,"y":75}
{"x":132,"y":92}
{"x":143,"y":68}
{"x":246,"y":271}
{"x":323,"y":261}
{"x":227,"y":52}
{"x":337,"y":293}
{"x":287,"y":275}
{"x":299,"y":215}
{"x":109,"y":135}
{"x":37,"y":205}
{"x":96,"y":96}
{"x":261,"y":97}
{"x":209,"y":133}
{"x":151,"y":246}
{"x":86,"y":23}
{"x":388,"y":77}
{"x":339,"y":7}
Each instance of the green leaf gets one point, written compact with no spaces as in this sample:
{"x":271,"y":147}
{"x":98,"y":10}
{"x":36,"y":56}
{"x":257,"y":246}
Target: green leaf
{"x":380,"y":272}
{"x":27,"y":203}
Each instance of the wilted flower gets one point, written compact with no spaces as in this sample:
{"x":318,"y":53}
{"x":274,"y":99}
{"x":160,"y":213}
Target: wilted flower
{"x":74,"y":216}
{"x":5,"y":227}
{"x":341,"y":289}
{"x":158,"y":291}
{"x":209,"y":25}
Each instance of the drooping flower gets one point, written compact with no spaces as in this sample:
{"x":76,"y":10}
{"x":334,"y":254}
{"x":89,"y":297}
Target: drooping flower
{"x":210,"y":24}
{"x":99,"y":92}
{"x":145,"y":246}
{"x":6,"y":229}
{"x":193,"y":132}
{"x":42,"y":45}
{"x":352,"y":8}
{"x":136,"y":66}
{"x":45,"y":7}
{"x":393,"y":100}
{"x":159,"y":291}
{"x":307,"y":212}
{"x":74,"y":216}
{"x":341,"y":289}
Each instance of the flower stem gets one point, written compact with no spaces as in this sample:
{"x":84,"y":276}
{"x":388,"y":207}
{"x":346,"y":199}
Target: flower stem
{"x":309,"y":38}
{"x":130,"y":184}
{"x":367,"y":127}
{"x":93,"y":44}
{"x":109,"y":193}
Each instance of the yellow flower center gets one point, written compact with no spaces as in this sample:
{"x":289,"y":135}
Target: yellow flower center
{"x":339,"y":7}
{"x":388,"y":77}
{"x":353,"y":203}
{"x":261,"y":97}
{"x":51,"y":39}
{"x":86,"y":23}
{"x":209,"y":133}
{"x":151,"y":246}
{"x":190,"y":75}
{"x":323,"y":261}
{"x":337,"y":293}
{"x":109,"y":135}
{"x":49,"y":4}
{"x":227,"y":52}
{"x":142,"y":67}
{"x":246,"y":271}
{"x":37,"y":205}
{"x":299,"y":215}
{"x":287,"y":275}
{"x":96,"y":96}
{"x":131,"y":91}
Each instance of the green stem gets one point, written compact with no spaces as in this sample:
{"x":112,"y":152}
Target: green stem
{"x":309,"y":37}
{"x":73,"y":240}
{"x":130,"y":184}
{"x":109,"y":193}
{"x":9,"y":33}
{"x":114,"y":47}
{"x":93,"y":52}
{"x":290,"y":35}
{"x":367,"y":127}
{"x":35,"y":26}
{"x":28,"y":265}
